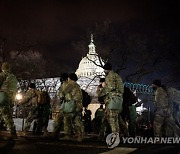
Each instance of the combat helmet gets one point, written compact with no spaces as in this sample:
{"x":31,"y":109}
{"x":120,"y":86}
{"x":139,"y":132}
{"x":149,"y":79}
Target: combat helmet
{"x":5,"y":66}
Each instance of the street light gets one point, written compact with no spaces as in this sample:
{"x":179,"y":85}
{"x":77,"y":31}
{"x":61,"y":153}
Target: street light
{"x":19,"y":96}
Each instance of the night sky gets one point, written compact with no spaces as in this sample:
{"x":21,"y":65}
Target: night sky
{"x":52,"y":25}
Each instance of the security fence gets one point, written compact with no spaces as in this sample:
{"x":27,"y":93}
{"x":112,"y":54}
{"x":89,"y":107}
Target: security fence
{"x":139,"y":88}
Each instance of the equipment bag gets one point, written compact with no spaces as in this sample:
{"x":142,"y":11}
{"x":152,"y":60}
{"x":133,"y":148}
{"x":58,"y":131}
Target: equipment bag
{"x":43,"y":97}
{"x":68,"y":107}
{"x":115,"y":103}
{"x":3,"y":99}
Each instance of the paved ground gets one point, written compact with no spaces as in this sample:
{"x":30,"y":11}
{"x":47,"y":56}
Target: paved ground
{"x":41,"y":145}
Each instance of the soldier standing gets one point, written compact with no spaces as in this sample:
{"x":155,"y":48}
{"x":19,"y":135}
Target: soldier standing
{"x":112,"y":89}
{"x":31,"y":99}
{"x":58,"y":122}
{"x":8,"y":88}
{"x":105,"y":128}
{"x":72,"y":93}
{"x":162,"y":109}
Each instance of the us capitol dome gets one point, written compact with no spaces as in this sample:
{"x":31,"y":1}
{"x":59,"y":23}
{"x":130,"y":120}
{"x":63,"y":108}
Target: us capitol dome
{"x":90,"y":65}
{"x":90,"y":70}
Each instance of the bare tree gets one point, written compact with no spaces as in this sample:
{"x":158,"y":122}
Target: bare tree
{"x":28,"y":65}
{"x":134,"y":55}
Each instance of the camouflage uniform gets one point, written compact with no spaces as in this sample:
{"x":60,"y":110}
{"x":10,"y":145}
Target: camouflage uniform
{"x":113,"y":87}
{"x":31,"y":101}
{"x":162,"y":111}
{"x":6,"y":99}
{"x":73,"y":92}
{"x":58,"y":122}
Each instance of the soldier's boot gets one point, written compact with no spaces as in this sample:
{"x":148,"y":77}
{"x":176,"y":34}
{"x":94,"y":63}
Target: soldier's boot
{"x":101,"y":138}
{"x":79,"y":138}
{"x":66,"y":137}
{"x":45,"y":133}
{"x":55,"y":135}
{"x":14,"y":135}
{"x":13,"y":132}
{"x":25,"y":133}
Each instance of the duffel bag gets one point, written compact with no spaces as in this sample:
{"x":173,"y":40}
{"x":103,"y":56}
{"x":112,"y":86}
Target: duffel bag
{"x":3,"y":99}
{"x":115,"y":103}
{"x":68,"y":107}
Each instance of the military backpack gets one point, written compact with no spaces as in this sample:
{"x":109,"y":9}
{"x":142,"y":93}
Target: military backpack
{"x":43,"y":97}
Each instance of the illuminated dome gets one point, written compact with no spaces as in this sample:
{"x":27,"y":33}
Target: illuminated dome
{"x":90,"y":65}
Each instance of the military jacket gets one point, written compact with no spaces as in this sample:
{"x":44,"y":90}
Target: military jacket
{"x":31,"y":97}
{"x":8,"y":84}
{"x":72,"y":91}
{"x":114,"y":86}
{"x":161,"y":100}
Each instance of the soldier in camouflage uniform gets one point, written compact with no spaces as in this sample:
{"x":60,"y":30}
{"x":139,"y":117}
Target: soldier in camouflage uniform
{"x":113,"y":86}
{"x":105,"y":128}
{"x":58,"y":122}
{"x":162,"y":109}
{"x":72,"y":92}
{"x":30,"y":99}
{"x":7,"y":96}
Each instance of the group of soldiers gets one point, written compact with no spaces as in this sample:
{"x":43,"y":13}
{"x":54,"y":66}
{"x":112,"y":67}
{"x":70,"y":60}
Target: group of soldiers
{"x":110,"y":92}
{"x":71,"y":108}
{"x":36,"y":112}
{"x":39,"y":112}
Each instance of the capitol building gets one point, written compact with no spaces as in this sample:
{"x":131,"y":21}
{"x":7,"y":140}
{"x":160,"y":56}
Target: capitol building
{"x":90,"y":70}
{"x":90,"y":65}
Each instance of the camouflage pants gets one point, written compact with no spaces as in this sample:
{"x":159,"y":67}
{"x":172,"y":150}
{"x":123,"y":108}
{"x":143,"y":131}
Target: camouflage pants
{"x":6,"y":115}
{"x":78,"y":125}
{"x":161,"y":126}
{"x":123,"y":130}
{"x":112,"y":118}
{"x":58,"y":122}
{"x":33,"y":114}
{"x":105,"y":128}
{"x":71,"y":121}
